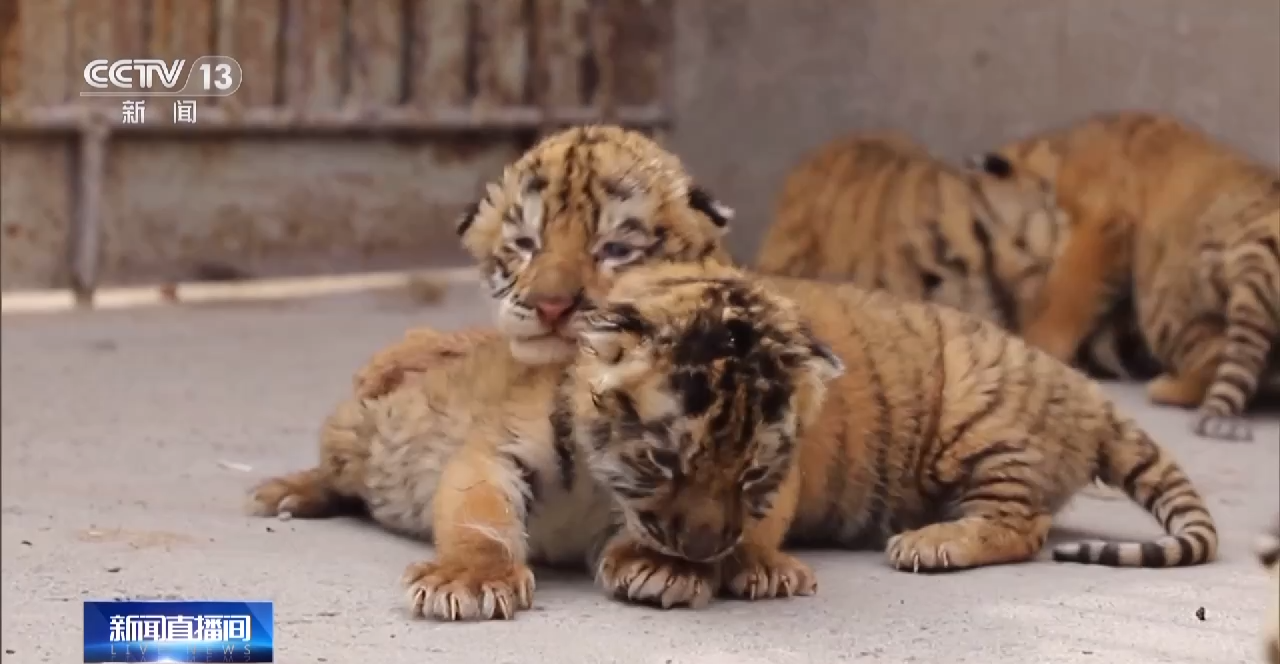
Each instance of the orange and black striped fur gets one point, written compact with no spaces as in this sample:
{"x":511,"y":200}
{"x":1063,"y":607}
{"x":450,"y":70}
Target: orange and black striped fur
{"x":946,"y":440}
{"x":1192,"y":225}
{"x":879,"y":211}
{"x":578,"y":209}
{"x":1268,"y":550}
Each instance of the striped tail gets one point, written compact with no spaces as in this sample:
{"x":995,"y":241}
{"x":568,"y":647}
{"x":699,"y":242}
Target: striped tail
{"x":1134,"y":463}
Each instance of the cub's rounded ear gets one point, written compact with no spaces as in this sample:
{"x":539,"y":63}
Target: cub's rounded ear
{"x":478,"y":225}
{"x":991,"y":164}
{"x":702,"y":201}
{"x":823,"y":361}
{"x":465,"y":220}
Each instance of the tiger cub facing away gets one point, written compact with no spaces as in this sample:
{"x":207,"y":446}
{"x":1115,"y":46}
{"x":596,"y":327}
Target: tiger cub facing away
{"x":1193,"y":225}
{"x":877,"y":210}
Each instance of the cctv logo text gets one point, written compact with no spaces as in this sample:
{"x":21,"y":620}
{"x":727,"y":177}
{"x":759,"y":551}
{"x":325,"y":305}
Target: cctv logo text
{"x":124,"y":74}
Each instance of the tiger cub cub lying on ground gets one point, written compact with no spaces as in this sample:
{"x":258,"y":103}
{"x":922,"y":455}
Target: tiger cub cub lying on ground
{"x":690,"y":439}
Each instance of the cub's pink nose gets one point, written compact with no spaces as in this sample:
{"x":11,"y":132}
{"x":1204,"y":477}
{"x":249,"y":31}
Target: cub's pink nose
{"x":552,"y":310}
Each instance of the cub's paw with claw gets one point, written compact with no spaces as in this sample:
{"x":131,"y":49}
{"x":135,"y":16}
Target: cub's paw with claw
{"x":753,"y":573}
{"x":632,"y":572}
{"x":1226,"y":428}
{"x":453,"y":591}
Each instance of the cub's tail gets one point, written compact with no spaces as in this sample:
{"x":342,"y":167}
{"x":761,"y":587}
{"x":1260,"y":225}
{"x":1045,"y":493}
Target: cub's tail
{"x":1133,"y":462}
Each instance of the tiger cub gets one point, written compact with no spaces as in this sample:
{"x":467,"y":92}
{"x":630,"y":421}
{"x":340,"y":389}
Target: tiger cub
{"x":946,"y":440}
{"x":878,"y":210}
{"x":1268,"y":550}
{"x":1192,"y":225}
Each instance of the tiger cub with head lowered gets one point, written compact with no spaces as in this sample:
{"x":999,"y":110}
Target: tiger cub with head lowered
{"x":1192,"y":225}
{"x":878,"y":210}
{"x":945,"y":439}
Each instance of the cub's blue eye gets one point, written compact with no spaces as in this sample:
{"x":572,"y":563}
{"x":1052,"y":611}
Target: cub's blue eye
{"x":525,"y":244}
{"x":615,"y":250}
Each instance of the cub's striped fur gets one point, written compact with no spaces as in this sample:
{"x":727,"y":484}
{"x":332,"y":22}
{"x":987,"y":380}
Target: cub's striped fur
{"x":1193,"y":225}
{"x":946,"y":440}
{"x":879,"y":211}
{"x":1268,"y":550}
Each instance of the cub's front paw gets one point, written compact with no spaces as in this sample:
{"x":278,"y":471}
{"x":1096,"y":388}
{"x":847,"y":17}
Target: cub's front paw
{"x":469,"y":591}
{"x":754,"y":573}
{"x":634,"y":573}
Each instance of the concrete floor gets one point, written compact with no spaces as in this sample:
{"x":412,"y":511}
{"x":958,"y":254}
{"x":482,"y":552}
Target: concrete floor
{"x":129,"y":439}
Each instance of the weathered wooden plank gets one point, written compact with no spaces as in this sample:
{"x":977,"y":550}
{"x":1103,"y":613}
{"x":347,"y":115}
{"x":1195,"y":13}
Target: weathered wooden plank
{"x":439,"y":53}
{"x":502,"y":53}
{"x":10,"y":49}
{"x":180,"y":29}
{"x":104,"y":29}
{"x":559,"y":47}
{"x":249,"y":31}
{"x":642,"y":35}
{"x":47,"y":73}
{"x":377,"y":43}
{"x":313,"y":63}
{"x":598,"y":81}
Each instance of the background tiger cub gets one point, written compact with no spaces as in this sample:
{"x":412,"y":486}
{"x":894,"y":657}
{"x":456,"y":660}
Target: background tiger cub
{"x":1192,"y":225}
{"x":947,"y":441}
{"x":1268,"y":550}
{"x":877,"y":210}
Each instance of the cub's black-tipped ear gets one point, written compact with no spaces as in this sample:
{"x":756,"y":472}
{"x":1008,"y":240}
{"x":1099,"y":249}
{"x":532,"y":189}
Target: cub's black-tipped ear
{"x":823,"y":361}
{"x":702,"y":201}
{"x":993,"y":164}
{"x":466,"y":219}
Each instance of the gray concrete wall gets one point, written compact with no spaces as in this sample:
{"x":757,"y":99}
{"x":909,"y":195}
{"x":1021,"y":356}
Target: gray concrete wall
{"x":762,"y":81}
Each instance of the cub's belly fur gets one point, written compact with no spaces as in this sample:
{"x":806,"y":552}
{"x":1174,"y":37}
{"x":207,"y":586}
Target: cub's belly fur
{"x":386,"y":456}
{"x":410,"y":443}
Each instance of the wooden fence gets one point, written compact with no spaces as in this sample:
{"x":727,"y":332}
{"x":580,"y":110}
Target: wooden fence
{"x":334,"y":66}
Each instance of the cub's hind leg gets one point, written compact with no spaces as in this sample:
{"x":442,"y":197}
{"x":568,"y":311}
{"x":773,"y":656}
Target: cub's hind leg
{"x":1081,"y":285}
{"x":1253,"y":322}
{"x":334,"y":487}
{"x":999,"y":513}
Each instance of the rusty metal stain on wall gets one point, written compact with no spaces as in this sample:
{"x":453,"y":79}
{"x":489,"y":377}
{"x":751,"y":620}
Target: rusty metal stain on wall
{"x":467,"y":83}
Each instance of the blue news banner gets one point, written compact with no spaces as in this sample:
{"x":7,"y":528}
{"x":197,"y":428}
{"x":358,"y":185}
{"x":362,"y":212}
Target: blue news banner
{"x":178,"y":631}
